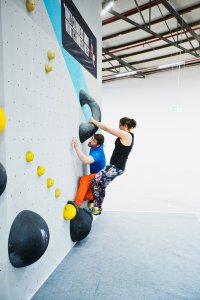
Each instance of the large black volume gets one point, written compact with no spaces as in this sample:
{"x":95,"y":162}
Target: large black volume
{"x":28,"y":239}
{"x":86,"y":130}
{"x":81,"y":225}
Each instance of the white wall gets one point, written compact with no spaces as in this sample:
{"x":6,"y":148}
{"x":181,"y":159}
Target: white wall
{"x":163,"y":169}
{"x":43,"y":114}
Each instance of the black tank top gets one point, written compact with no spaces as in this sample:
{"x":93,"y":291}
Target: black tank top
{"x":120,"y":153}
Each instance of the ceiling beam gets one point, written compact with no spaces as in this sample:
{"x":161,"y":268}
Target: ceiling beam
{"x":146,"y":29}
{"x":131,"y":12}
{"x":123,"y":63}
{"x":180,"y":20}
{"x":141,"y":15}
{"x":149,"y":39}
{"x":147,"y":60}
{"x":153,"y":70}
{"x":146,"y":51}
{"x":157,"y":21}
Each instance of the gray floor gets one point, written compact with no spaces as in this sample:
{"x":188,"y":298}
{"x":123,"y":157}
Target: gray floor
{"x":140,"y":256}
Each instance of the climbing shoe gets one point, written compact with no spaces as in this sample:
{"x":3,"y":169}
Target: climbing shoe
{"x":96,"y":210}
{"x":90,"y":204}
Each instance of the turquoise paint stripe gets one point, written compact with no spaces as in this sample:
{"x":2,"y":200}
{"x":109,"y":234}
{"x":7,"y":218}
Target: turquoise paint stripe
{"x":53,"y":8}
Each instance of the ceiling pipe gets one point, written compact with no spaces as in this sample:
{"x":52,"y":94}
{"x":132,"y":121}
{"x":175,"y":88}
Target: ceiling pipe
{"x":152,"y":41}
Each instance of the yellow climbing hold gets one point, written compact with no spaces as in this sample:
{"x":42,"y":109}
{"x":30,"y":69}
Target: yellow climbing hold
{"x":30,"y":5}
{"x":40,"y":170}
{"x":29,"y":156}
{"x":2,"y":120}
{"x":51,"y":54}
{"x":50,"y":182}
{"x":48,"y":68}
{"x":69,"y":212}
{"x":57,"y":193}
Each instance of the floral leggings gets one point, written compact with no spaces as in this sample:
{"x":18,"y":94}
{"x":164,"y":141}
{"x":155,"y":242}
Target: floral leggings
{"x":101,"y":181}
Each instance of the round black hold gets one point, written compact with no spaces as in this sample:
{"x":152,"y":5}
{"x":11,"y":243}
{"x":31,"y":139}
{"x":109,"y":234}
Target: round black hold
{"x":81,"y":225}
{"x":28,"y":239}
{"x":3,"y":179}
{"x":86,"y":130}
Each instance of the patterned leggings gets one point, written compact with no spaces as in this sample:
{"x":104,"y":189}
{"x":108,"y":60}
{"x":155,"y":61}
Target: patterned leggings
{"x":101,"y":181}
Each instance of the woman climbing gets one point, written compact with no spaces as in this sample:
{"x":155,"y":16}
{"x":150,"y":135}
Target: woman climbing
{"x":123,"y":146}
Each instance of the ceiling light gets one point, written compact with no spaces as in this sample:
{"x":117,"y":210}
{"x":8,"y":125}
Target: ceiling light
{"x":172,"y":64}
{"x":151,"y":69}
{"x":107,"y":6}
{"x":126,"y":74}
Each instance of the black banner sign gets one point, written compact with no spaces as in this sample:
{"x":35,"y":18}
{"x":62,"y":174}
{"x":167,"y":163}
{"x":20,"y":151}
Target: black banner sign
{"x":77,"y":38}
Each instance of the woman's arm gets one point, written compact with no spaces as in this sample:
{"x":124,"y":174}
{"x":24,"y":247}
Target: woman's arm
{"x":116,"y":132}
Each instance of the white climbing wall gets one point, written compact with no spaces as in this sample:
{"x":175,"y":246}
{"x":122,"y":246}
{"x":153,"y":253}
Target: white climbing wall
{"x":43,"y":114}
{"x":3,"y":202}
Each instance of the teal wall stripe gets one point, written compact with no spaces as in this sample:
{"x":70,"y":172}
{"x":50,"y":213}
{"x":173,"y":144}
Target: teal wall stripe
{"x":53,"y":8}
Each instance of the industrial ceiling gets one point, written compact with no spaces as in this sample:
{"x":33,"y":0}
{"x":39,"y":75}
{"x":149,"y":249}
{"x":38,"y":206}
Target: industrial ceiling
{"x":141,"y":37}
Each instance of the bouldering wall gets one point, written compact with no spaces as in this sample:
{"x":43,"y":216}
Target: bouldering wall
{"x":40,"y":88}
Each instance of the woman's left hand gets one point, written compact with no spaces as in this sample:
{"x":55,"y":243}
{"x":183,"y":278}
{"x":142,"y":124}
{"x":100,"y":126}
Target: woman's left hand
{"x":91,"y":120}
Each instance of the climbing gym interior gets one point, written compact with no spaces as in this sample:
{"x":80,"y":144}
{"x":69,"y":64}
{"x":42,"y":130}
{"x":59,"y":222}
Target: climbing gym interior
{"x":71,"y":69}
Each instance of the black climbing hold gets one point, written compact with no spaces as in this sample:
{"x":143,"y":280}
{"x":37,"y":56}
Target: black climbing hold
{"x":86,"y":130}
{"x":81,"y":225}
{"x":3,"y":179}
{"x":28,"y":239}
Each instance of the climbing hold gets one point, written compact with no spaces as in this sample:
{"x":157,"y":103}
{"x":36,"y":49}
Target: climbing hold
{"x":81,"y":225}
{"x":40,"y":170}
{"x":86,"y":130}
{"x":2,"y":120}
{"x":50,"y":182}
{"x":28,"y":239}
{"x":51,"y":54}
{"x":48,"y":68}
{"x":29,"y":156}
{"x":30,"y":5}
{"x":70,"y":210}
{"x":57,"y":193}
{"x":3,"y":179}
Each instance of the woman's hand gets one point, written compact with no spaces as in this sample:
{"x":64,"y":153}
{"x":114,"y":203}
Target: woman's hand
{"x":96,"y":123}
{"x":92,"y":120}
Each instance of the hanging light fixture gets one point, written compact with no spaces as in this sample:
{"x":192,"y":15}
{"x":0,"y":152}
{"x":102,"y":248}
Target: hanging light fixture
{"x":106,"y":6}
